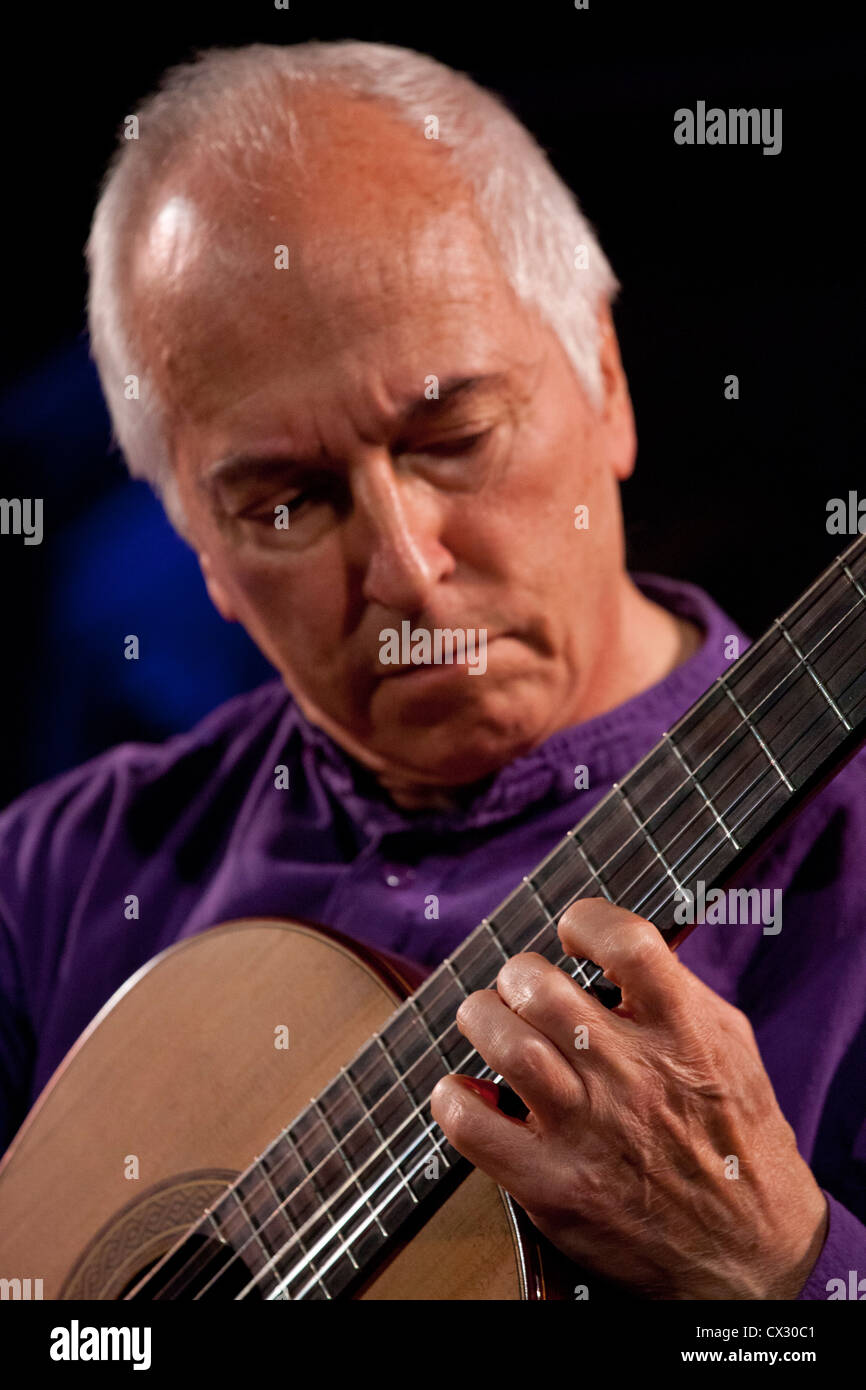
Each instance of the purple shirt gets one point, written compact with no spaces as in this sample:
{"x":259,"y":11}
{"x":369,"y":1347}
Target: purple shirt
{"x":198,"y":829}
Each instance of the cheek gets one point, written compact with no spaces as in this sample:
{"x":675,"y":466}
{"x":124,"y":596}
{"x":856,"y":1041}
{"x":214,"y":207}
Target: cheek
{"x":296,"y":605}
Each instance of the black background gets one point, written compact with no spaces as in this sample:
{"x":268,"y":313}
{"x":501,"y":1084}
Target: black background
{"x":731,"y":261}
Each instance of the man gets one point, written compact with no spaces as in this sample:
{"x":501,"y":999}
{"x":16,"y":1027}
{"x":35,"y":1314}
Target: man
{"x":356,"y":332}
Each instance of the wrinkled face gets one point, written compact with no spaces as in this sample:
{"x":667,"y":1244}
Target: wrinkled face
{"x":378,"y":435}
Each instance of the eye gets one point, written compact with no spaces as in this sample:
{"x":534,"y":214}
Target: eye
{"x":295,"y":503}
{"x":449,"y":448}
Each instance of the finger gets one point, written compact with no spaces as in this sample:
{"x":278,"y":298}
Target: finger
{"x":504,"y":1148}
{"x":532,"y":1065}
{"x":633,"y":954}
{"x":554,"y":1004}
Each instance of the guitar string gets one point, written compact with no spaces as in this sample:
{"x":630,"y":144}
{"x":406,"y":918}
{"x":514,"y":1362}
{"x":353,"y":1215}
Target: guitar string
{"x":398,"y":1084}
{"x":765,"y":773}
{"x":797,"y":671}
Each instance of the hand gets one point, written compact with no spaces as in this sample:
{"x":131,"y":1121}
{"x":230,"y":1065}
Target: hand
{"x":627,"y":1158}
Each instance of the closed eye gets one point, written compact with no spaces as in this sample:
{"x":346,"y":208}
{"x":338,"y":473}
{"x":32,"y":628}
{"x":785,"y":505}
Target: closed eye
{"x":449,"y":448}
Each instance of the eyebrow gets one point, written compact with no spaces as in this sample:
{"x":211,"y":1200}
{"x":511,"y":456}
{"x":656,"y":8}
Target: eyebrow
{"x":236,"y":467}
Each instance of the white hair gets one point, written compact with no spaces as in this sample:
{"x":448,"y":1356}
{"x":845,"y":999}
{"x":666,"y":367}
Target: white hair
{"x":229,"y":107}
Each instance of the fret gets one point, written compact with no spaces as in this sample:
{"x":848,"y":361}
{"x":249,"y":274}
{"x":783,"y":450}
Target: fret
{"x":326,"y":1175}
{"x":487,"y":926}
{"x":404,"y":1137}
{"x":439,"y":998}
{"x":477,"y":960}
{"x":351,"y":1172}
{"x":596,"y":878}
{"x":610,"y":845}
{"x":541,"y":903}
{"x":412,"y":1139}
{"x":381,"y":1140}
{"x":272,"y":1231}
{"x":275,"y":1225}
{"x":841,"y":653}
{"x":406,"y":1039}
{"x":516,"y":918}
{"x":698,"y":785}
{"x":832,"y":632}
{"x":751,"y":727}
{"x":411,"y":1003}
{"x":297,"y":1200}
{"x":545,"y":941}
{"x":857,"y":585}
{"x":279,"y":1230}
{"x":813,"y":673}
{"x":848,"y":686}
{"x":559,"y":879}
{"x":642,"y":826}
{"x":785,"y":705}
{"x":449,"y":966}
{"x":728,"y":762}
{"x":249,"y":1245}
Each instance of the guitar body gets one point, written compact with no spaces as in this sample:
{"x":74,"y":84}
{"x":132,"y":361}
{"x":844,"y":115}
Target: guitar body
{"x":179,"y":1074}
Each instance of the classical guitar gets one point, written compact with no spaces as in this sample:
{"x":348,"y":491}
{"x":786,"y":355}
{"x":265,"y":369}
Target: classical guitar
{"x":246,"y":1187}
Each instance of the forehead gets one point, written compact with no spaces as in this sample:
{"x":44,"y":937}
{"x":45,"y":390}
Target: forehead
{"x":389,"y":270}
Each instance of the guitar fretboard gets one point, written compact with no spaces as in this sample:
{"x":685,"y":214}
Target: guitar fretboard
{"x":313,"y":1213}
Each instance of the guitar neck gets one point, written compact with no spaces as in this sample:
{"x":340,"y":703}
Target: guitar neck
{"x":365,"y":1158}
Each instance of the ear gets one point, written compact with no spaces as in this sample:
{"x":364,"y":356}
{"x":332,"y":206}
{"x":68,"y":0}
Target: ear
{"x":616,"y":408}
{"x":218,"y":596}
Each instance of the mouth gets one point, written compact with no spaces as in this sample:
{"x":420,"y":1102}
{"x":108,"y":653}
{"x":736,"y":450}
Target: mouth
{"x":461,"y":666}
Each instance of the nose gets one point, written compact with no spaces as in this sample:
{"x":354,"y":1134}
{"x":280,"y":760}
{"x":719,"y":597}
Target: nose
{"x":397,"y":521}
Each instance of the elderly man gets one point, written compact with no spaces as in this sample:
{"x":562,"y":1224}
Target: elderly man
{"x":356,"y":332}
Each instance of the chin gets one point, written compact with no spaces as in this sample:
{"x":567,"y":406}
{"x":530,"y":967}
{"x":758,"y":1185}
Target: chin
{"x":454,"y":755}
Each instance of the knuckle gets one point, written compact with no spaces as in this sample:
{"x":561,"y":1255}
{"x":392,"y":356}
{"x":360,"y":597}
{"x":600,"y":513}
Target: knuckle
{"x":636,"y":950}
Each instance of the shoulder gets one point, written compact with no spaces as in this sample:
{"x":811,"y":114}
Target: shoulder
{"x":60,"y":821}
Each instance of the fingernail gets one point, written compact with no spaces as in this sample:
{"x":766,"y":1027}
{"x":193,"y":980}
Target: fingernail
{"x":487,"y":1090}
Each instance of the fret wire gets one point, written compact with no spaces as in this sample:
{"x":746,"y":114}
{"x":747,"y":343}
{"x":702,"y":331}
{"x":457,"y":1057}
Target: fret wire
{"x":419,"y":1015}
{"x":485,"y":922}
{"x":812,"y":672}
{"x":341,"y":1151}
{"x":572,"y":835}
{"x":428,"y":1030}
{"x":249,"y":1221}
{"x":368,"y":1114}
{"x":282,"y":1203}
{"x":641,"y":826}
{"x":460,"y":985}
{"x":755,"y":731}
{"x":389,"y":1197}
{"x":695,"y":781}
{"x":854,"y":580}
{"x":323,"y":1206}
{"x":537,"y":896}
{"x":402,"y":1084}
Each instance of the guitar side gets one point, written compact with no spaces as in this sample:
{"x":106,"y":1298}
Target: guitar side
{"x":179,"y":1080}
